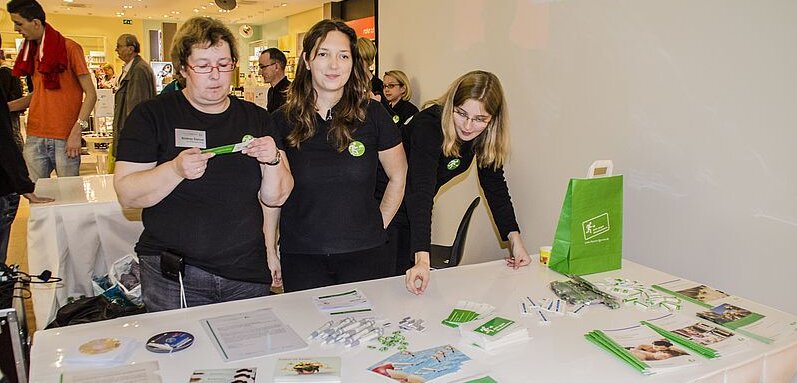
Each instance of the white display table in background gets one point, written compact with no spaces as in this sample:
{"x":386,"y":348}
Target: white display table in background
{"x":557,"y":353}
{"x":79,"y":235}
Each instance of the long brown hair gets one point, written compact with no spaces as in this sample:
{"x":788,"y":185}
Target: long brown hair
{"x":300,"y":107}
{"x":492,"y":145}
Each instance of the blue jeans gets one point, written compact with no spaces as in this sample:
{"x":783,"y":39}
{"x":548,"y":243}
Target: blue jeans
{"x":201,"y":287}
{"x":8,"y":211}
{"x":43,"y":155}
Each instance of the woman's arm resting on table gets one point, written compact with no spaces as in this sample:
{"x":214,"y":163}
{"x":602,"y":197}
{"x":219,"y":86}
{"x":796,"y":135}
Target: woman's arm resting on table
{"x":418,"y":273}
{"x":518,"y":257}
{"x":271,"y":219}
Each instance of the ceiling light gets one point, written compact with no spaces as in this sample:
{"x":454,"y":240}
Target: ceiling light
{"x":127,"y":6}
{"x":196,"y":10}
{"x":175,"y":12}
{"x":284,"y":4}
{"x":69,"y":1}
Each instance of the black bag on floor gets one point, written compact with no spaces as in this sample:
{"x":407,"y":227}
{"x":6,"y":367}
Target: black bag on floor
{"x":94,"y":309}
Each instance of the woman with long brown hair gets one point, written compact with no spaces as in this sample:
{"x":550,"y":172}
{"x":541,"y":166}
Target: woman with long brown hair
{"x":332,"y":229}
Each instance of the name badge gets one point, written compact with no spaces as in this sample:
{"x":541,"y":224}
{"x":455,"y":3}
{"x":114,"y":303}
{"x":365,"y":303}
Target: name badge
{"x":186,"y":138}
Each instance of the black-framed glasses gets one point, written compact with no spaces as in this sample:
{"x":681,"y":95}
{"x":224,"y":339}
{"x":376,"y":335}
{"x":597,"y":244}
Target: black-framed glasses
{"x":391,"y":86}
{"x":263,"y":67}
{"x":207,"y":68}
{"x":480,"y":121}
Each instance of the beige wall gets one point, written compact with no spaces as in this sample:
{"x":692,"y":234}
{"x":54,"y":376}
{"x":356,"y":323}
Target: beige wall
{"x":694,"y":102}
{"x":299,"y":23}
{"x":70,"y":25}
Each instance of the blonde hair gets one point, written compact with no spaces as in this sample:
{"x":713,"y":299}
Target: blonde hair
{"x":403,"y":80}
{"x":367,"y":51}
{"x":492,"y":145}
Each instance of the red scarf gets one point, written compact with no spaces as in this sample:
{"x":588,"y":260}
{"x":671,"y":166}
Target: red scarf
{"x":53,"y":59}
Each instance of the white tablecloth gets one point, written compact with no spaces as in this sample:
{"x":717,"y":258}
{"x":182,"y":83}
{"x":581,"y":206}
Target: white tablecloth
{"x":79,"y":235}
{"x":557,"y":353}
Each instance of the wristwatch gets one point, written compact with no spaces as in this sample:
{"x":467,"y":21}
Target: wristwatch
{"x":83,"y":123}
{"x":276,"y":160}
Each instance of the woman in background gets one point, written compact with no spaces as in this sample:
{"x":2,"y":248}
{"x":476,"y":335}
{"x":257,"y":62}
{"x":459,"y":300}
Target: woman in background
{"x":332,"y":230}
{"x":469,"y":121}
{"x":398,"y":94}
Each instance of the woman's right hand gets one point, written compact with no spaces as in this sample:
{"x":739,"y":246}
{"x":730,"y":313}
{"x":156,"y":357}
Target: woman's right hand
{"x":191,"y":163}
{"x":418,"y":273}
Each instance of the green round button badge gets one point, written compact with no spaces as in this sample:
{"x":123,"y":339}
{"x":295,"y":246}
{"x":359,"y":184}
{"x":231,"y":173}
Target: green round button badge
{"x":356,"y":148}
{"x":396,"y":119}
{"x":247,"y":138}
{"x":453,"y":164}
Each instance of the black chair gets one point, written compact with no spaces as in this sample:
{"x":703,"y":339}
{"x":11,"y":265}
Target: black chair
{"x":441,"y":256}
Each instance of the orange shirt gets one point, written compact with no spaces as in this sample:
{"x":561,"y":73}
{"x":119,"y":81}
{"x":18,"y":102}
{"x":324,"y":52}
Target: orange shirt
{"x":53,"y":112}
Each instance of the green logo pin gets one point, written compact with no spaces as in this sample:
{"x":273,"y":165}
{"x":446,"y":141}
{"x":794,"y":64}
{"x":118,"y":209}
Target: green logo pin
{"x":453,"y":164}
{"x":396,"y":119}
{"x":356,"y":148}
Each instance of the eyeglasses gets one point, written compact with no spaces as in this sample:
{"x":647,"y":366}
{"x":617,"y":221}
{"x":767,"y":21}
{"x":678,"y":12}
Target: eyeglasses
{"x":480,"y":121}
{"x":263,"y":67}
{"x":207,"y":68}
{"x":391,"y":86}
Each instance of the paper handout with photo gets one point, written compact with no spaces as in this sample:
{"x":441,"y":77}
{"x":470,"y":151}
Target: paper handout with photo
{"x":764,"y":328}
{"x":438,"y":364}
{"x":644,"y":349}
{"x":709,"y":340}
{"x":694,"y":292}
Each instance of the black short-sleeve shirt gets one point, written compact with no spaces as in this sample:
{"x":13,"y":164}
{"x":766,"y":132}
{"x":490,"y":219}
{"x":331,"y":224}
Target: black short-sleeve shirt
{"x":332,"y":209}
{"x":215,"y":221}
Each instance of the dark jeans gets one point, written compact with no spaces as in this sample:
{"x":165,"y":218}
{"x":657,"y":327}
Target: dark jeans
{"x":308,"y":271}
{"x":201,"y":287}
{"x":8,"y":211}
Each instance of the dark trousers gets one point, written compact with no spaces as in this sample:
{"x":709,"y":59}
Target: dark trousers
{"x":8,"y":211}
{"x":398,"y":234}
{"x":308,"y":271}
{"x":201,"y":287}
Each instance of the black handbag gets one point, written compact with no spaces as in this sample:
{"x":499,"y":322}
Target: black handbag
{"x":93,"y":309}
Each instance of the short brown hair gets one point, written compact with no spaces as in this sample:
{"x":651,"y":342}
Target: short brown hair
{"x":200,"y":31}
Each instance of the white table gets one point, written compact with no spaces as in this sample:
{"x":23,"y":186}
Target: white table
{"x":558,"y":353}
{"x":79,"y":235}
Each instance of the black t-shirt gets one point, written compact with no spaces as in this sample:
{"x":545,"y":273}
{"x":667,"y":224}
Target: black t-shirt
{"x":216,"y":221}
{"x":400,"y":113}
{"x":278,"y":94}
{"x":332,"y":209}
{"x":13,"y":173}
{"x":429,"y":170}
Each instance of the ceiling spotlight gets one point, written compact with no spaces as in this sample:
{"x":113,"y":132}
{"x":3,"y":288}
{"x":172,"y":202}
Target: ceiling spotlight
{"x":69,"y":1}
{"x":195,"y":10}
{"x":127,"y":6}
{"x":284,"y":4}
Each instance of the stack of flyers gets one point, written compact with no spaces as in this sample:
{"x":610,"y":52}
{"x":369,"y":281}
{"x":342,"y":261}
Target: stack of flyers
{"x":438,"y":364}
{"x":731,"y":312}
{"x":466,"y":311}
{"x":101,"y":352}
{"x":346,"y":303}
{"x":704,"y":339}
{"x":643,"y":349}
{"x":495,"y":333}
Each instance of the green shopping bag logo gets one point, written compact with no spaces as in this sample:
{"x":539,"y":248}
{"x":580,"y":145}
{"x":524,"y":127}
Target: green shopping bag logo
{"x":596,"y":226}
{"x":589,"y":235}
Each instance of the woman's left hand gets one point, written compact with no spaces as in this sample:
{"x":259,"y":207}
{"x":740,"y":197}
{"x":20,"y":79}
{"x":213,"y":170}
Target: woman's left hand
{"x":264,"y":149}
{"x":519,"y":257}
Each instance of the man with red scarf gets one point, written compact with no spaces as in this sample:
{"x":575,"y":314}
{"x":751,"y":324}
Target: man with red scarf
{"x":58,"y":110}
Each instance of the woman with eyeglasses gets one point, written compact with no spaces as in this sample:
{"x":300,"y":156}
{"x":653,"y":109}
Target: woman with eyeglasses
{"x":200,"y":163}
{"x":332,"y":230}
{"x":468,"y":122}
{"x":398,"y":94}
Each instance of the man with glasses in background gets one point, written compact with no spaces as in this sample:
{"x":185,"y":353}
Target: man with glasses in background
{"x":203,"y":221}
{"x":272,"y":68}
{"x":135,"y":84}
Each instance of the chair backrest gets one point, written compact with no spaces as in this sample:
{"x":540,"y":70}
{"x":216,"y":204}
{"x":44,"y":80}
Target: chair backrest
{"x":458,"y":247}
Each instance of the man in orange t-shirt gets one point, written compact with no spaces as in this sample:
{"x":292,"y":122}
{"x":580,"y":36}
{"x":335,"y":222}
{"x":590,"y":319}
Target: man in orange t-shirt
{"x":58,"y":110}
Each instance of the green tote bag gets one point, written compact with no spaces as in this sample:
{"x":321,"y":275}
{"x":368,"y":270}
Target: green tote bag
{"x":589,"y":236}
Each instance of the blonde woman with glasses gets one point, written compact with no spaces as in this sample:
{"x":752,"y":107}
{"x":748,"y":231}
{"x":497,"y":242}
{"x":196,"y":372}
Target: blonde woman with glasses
{"x":398,"y":94}
{"x":468,"y":122}
{"x":203,"y":236}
